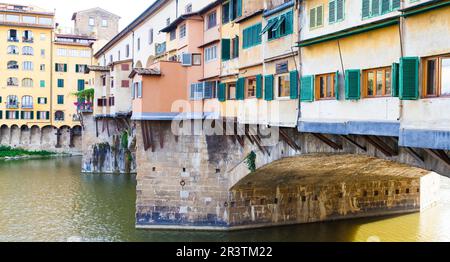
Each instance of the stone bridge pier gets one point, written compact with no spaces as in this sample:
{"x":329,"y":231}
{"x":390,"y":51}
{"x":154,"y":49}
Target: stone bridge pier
{"x":204,"y":182}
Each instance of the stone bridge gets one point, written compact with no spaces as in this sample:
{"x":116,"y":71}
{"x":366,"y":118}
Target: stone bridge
{"x":203,"y":182}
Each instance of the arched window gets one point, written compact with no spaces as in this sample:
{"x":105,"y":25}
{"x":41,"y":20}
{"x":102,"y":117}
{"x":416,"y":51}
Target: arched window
{"x":27,"y":82}
{"x":27,"y":50}
{"x":13,"y":65}
{"x":59,"y":116}
{"x":12,"y":35}
{"x":27,"y":66}
{"x":12,"y":102}
{"x":27,"y":102}
{"x":13,"y":50}
{"x":12,"y":81}
{"x":27,"y":36}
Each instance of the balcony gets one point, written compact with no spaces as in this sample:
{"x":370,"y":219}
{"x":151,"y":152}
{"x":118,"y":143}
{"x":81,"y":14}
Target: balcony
{"x":12,"y":105}
{"x":27,"y":106}
{"x":13,"y":39}
{"x":84,"y":107}
{"x":27,"y":39}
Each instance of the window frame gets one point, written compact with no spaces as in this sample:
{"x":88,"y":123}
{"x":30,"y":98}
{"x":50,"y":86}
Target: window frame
{"x":277,"y":86}
{"x":229,"y":93}
{"x":365,"y":82}
{"x":315,"y":22}
{"x":438,"y":75}
{"x":247,"y":80}
{"x":317,"y":86}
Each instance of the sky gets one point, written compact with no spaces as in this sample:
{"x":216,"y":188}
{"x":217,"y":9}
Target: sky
{"x":65,"y":8}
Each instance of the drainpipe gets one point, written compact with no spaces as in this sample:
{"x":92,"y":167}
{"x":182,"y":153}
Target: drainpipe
{"x":132,"y":49}
{"x":176,"y":7}
{"x":402,"y":54}
{"x":300,"y":69}
{"x":52,"y":39}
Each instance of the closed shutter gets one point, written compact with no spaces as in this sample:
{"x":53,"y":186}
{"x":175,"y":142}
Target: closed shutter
{"x":240,"y":89}
{"x":395,"y":79}
{"x":80,"y":84}
{"x":332,"y":11}
{"x":17,"y":114}
{"x":409,"y":78}
{"x":375,"y":7}
{"x":226,"y":48}
{"x":222,"y":92}
{"x":22,"y":115}
{"x":65,"y":67}
{"x":319,"y":16}
{"x":7,"y":115}
{"x":1,"y":114}
{"x":340,"y":10}
{"x":60,"y":82}
{"x":56,"y":68}
{"x":45,"y":100}
{"x":353,"y":84}
{"x":294,"y":84}
{"x":268,"y":90}
{"x":32,"y":115}
{"x":259,"y":87}
{"x":312,"y":18}
{"x":236,"y":47}
{"x":307,"y":89}
{"x":38,"y":115}
{"x":76,"y":68}
{"x":365,"y":8}
{"x":47,"y":115}
{"x":289,"y":23}
{"x":385,"y":6}
{"x":336,"y":85}
{"x":395,"y":4}
{"x":239,"y":8}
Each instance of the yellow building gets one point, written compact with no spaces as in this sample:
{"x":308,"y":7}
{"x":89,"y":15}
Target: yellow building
{"x":33,"y":62}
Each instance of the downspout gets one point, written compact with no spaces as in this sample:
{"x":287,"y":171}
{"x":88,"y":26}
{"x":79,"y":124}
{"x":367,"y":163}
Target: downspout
{"x":400,"y":32}
{"x":52,"y":39}
{"x":176,"y":7}
{"x":132,"y":49}
{"x":300,"y":69}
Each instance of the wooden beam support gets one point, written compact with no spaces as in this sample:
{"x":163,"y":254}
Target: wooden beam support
{"x":285,"y":137}
{"x":328,"y":141}
{"x":415,"y":155}
{"x":380,"y":145}
{"x":439,"y":155}
{"x":96,"y":127}
{"x":354,"y":142}
{"x":161,"y":135}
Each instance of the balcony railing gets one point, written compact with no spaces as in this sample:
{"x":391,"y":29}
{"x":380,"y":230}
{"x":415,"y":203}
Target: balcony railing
{"x":27,"y":106}
{"x":13,"y":39}
{"x":12,"y":105}
{"x":28,"y":39}
{"x":85,"y":108}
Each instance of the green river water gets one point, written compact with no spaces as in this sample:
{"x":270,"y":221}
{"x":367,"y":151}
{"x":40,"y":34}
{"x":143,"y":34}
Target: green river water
{"x":49,"y":200}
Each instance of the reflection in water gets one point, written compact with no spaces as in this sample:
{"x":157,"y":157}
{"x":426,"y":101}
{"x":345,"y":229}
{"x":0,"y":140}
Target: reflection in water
{"x":48,"y":200}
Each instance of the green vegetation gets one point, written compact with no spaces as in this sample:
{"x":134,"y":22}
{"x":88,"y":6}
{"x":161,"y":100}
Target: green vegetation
{"x":87,"y":94}
{"x":250,"y":161}
{"x":6,"y":151}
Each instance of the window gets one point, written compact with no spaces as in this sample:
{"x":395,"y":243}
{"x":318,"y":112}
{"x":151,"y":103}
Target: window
{"x":59,"y":115}
{"x":13,"y":50}
{"x":42,"y":100}
{"x":60,"y":99}
{"x":138,"y":44}
{"x":196,"y":92}
{"x":173,"y":35}
{"x":118,"y":55}
{"x":252,"y":36}
{"x":12,"y":36}
{"x":150,"y":36}
{"x":377,"y":82}
{"x":371,"y":8}
{"x":188,"y":8}
{"x":43,"y":53}
{"x":12,"y":102}
{"x":91,"y":21}
{"x":125,"y":67}
{"x":42,"y":67}
{"x":196,"y":59}
{"x":80,"y":68}
{"x":60,"y":83}
{"x":61,"y":67}
{"x":210,"y":90}
{"x":61,"y":52}
{"x":325,"y":86}
{"x":27,"y":82}
{"x":27,"y":66}
{"x":251,"y":87}
{"x":27,"y":102}
{"x":235,"y":9}
{"x":127,"y":51}
{"x":43,"y":115}
{"x":27,"y":36}
{"x":12,"y":81}
{"x":231,"y":91}
{"x":168,"y":21}
{"x":316,"y":17}
{"x":436,"y":80}
{"x":104,"y":23}
{"x":45,"y":21}
{"x":284,"y":83}
{"x":43,"y":37}
{"x":27,"y":50}
{"x":111,"y":58}
{"x":29,"y":19}
{"x":211,"y":53}
{"x":13,"y":18}
{"x":42,"y":83}
{"x":336,"y":10}
{"x":125,"y":83}
{"x":81,"y":84}
{"x":226,"y":13}
{"x":279,"y":26}
{"x":182,"y":31}
{"x":235,"y":48}
{"x":212,"y":20}
{"x":13,"y":65}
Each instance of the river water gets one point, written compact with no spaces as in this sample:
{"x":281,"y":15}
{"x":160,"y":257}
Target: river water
{"x":49,"y":200}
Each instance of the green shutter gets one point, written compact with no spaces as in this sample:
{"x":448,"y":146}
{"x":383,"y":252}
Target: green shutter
{"x":42,"y":83}
{"x":385,"y":6}
{"x":7,"y":115}
{"x":17,"y":114}
{"x":319,"y":14}
{"x":65,"y":67}
{"x":259,"y":87}
{"x":45,"y":100}
{"x":307,"y":89}
{"x":80,"y":84}
{"x":409,"y":78}
{"x":340,"y":10}
{"x":240,"y":89}
{"x":222,"y":92}
{"x":32,"y":115}
{"x":375,"y":7}
{"x":332,"y":11}
{"x":38,"y":115}
{"x":294,"y":84}
{"x":395,"y":4}
{"x":60,"y":82}
{"x":395,"y":78}
{"x":76,"y":68}
{"x":236,"y":47}
{"x":239,"y":8}
{"x":268,"y":90}
{"x":1,"y":114}
{"x":365,"y":8}
{"x":226,"y":48}
{"x":312,"y":18}
{"x":353,"y":84}
{"x":56,"y":67}
{"x":47,"y":115}
{"x":22,"y":114}
{"x":289,"y":23}
{"x":336,"y":85}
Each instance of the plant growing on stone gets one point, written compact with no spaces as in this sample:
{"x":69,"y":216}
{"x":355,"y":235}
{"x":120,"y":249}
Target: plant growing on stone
{"x":250,"y":161}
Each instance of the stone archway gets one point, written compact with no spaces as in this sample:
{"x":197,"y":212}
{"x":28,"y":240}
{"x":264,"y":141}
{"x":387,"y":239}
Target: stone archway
{"x":4,"y":135}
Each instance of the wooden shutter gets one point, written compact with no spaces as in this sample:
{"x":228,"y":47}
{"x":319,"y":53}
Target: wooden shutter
{"x":365,"y":8}
{"x":294,"y":84}
{"x":32,"y":115}
{"x":38,"y":115}
{"x":340,"y":10}
{"x":395,"y":4}
{"x":17,"y":114}
{"x":76,"y":68}
{"x":259,"y":87}
{"x":319,"y":14}
{"x":65,"y":67}
{"x":226,"y":48}
{"x":312,"y":17}
{"x":240,"y":89}
{"x":236,"y":47}
{"x":80,"y":84}
{"x":222,"y":95}
{"x":332,"y":11}
{"x":239,"y":8}
{"x":353,"y":84}
{"x":289,"y":23}
{"x":409,"y":78}
{"x":375,"y":7}
{"x":22,"y":115}
{"x":47,"y":115}
{"x":395,"y":79}
{"x":268,"y":90}
{"x":307,"y":89}
{"x":336,"y":85}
